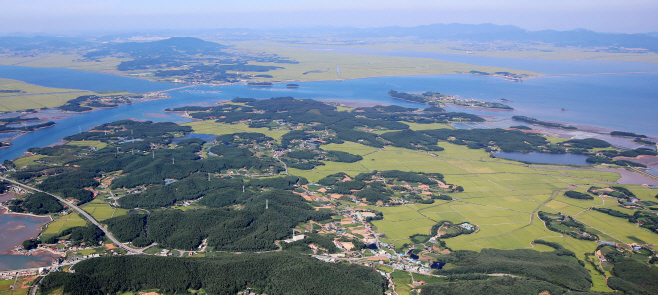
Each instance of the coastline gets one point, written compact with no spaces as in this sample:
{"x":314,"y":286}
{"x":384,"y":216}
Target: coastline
{"x":58,"y":115}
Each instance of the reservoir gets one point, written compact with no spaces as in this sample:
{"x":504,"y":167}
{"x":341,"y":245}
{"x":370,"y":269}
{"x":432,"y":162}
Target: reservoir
{"x":545,"y":158}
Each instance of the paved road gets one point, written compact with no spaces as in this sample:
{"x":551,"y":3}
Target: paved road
{"x":83,"y":213}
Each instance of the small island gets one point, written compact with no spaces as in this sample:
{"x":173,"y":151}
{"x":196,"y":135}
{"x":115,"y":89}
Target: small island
{"x":542,"y":123}
{"x":439,"y":99}
{"x":292,"y":85}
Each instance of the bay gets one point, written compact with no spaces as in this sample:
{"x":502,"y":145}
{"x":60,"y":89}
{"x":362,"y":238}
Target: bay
{"x":616,"y":102}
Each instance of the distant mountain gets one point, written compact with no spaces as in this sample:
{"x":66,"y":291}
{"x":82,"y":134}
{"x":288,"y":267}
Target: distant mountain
{"x":171,"y":46}
{"x":491,"y":32}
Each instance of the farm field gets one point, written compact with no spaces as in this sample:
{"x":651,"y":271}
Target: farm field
{"x":501,"y":197}
{"x":68,"y":221}
{"x":211,"y":127}
{"x":33,"y":96}
{"x":101,"y":210}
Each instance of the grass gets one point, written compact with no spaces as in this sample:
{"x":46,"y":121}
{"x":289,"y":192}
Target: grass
{"x":33,"y":96}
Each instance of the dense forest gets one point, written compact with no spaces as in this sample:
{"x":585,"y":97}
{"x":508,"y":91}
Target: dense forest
{"x":497,"y":286}
{"x":36,"y":203}
{"x":250,"y":228}
{"x":559,"y":267}
{"x":270,"y":273}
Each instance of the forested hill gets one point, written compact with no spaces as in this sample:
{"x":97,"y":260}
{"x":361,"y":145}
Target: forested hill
{"x":272,"y":273}
{"x":174,"y":45}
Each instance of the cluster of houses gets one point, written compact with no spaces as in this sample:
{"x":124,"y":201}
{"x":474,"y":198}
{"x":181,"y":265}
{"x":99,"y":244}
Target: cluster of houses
{"x":7,"y":275}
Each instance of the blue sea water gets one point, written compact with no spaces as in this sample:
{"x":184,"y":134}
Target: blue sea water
{"x":626,"y":102}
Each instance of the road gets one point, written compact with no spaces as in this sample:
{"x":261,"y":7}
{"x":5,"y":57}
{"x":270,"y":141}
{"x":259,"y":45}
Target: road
{"x":83,"y":213}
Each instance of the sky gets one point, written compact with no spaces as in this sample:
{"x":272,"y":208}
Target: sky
{"x":58,"y":16}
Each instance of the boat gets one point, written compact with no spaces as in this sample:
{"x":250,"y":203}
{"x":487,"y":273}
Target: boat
{"x":292,"y":85}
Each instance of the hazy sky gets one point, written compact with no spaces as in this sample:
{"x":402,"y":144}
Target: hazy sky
{"x":110,"y":15}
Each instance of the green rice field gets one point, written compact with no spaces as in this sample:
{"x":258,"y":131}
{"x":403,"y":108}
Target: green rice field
{"x":65,"y":222}
{"x":101,"y":210}
{"x":501,"y":197}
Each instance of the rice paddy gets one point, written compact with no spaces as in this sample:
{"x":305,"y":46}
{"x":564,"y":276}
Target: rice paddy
{"x":101,"y":210}
{"x":65,"y":222}
{"x":500,"y":196}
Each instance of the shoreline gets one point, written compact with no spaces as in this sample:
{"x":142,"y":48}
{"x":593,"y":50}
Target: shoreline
{"x":64,"y":114}
{"x":5,"y":211}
